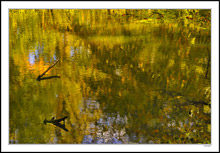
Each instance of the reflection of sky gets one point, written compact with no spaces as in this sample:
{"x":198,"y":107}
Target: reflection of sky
{"x":34,"y":55}
{"x":54,"y":57}
{"x":39,"y":50}
{"x":31,"y":58}
{"x":37,"y":53}
{"x":75,"y":50}
{"x":72,"y":51}
{"x":88,"y":139}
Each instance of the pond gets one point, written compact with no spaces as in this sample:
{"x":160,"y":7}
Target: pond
{"x":109,"y":76}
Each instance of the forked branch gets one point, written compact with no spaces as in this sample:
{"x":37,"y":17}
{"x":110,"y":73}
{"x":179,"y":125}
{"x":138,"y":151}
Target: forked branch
{"x":40,"y":76}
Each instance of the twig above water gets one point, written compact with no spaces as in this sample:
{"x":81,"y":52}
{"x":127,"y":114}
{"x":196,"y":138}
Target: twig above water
{"x":40,"y":76}
{"x":57,"y":122}
{"x":50,"y":77}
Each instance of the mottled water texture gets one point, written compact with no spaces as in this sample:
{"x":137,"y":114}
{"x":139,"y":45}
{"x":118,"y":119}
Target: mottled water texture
{"x":122,"y":76}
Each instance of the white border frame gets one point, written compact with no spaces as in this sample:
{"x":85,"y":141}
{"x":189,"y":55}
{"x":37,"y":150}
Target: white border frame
{"x":106,"y":5}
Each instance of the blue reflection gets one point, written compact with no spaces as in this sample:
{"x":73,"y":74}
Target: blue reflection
{"x":55,"y":57}
{"x":89,"y":140}
{"x":116,"y":141}
{"x":38,"y":51}
{"x":37,"y":54}
{"x":100,"y":141}
{"x":72,"y":52}
{"x":31,"y":58}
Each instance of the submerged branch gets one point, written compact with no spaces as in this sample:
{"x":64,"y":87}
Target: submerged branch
{"x":56,"y":122}
{"x":45,"y":78}
{"x":40,"y":76}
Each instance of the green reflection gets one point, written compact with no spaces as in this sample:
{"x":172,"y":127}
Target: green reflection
{"x":123,"y":76}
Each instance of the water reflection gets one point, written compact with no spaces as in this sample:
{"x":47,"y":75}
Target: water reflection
{"x":120,"y":80}
{"x":108,"y":130}
{"x":31,"y":58}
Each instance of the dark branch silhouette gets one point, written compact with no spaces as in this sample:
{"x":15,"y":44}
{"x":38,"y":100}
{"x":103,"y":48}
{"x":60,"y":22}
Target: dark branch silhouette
{"x":45,"y":78}
{"x":40,"y":76}
{"x":57,"y":122}
{"x":208,"y":64}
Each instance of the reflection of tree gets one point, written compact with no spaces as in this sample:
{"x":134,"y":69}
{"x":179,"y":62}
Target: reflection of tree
{"x":134,"y":73}
{"x":110,"y":67}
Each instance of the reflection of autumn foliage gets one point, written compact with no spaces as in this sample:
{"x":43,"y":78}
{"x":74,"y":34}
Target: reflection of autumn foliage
{"x":38,"y":67}
{"x":107,"y":67}
{"x":22,"y":64}
{"x":80,"y":115}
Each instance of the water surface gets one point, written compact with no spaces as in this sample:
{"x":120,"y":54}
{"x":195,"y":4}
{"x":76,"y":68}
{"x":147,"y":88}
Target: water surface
{"x":123,"y":77}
